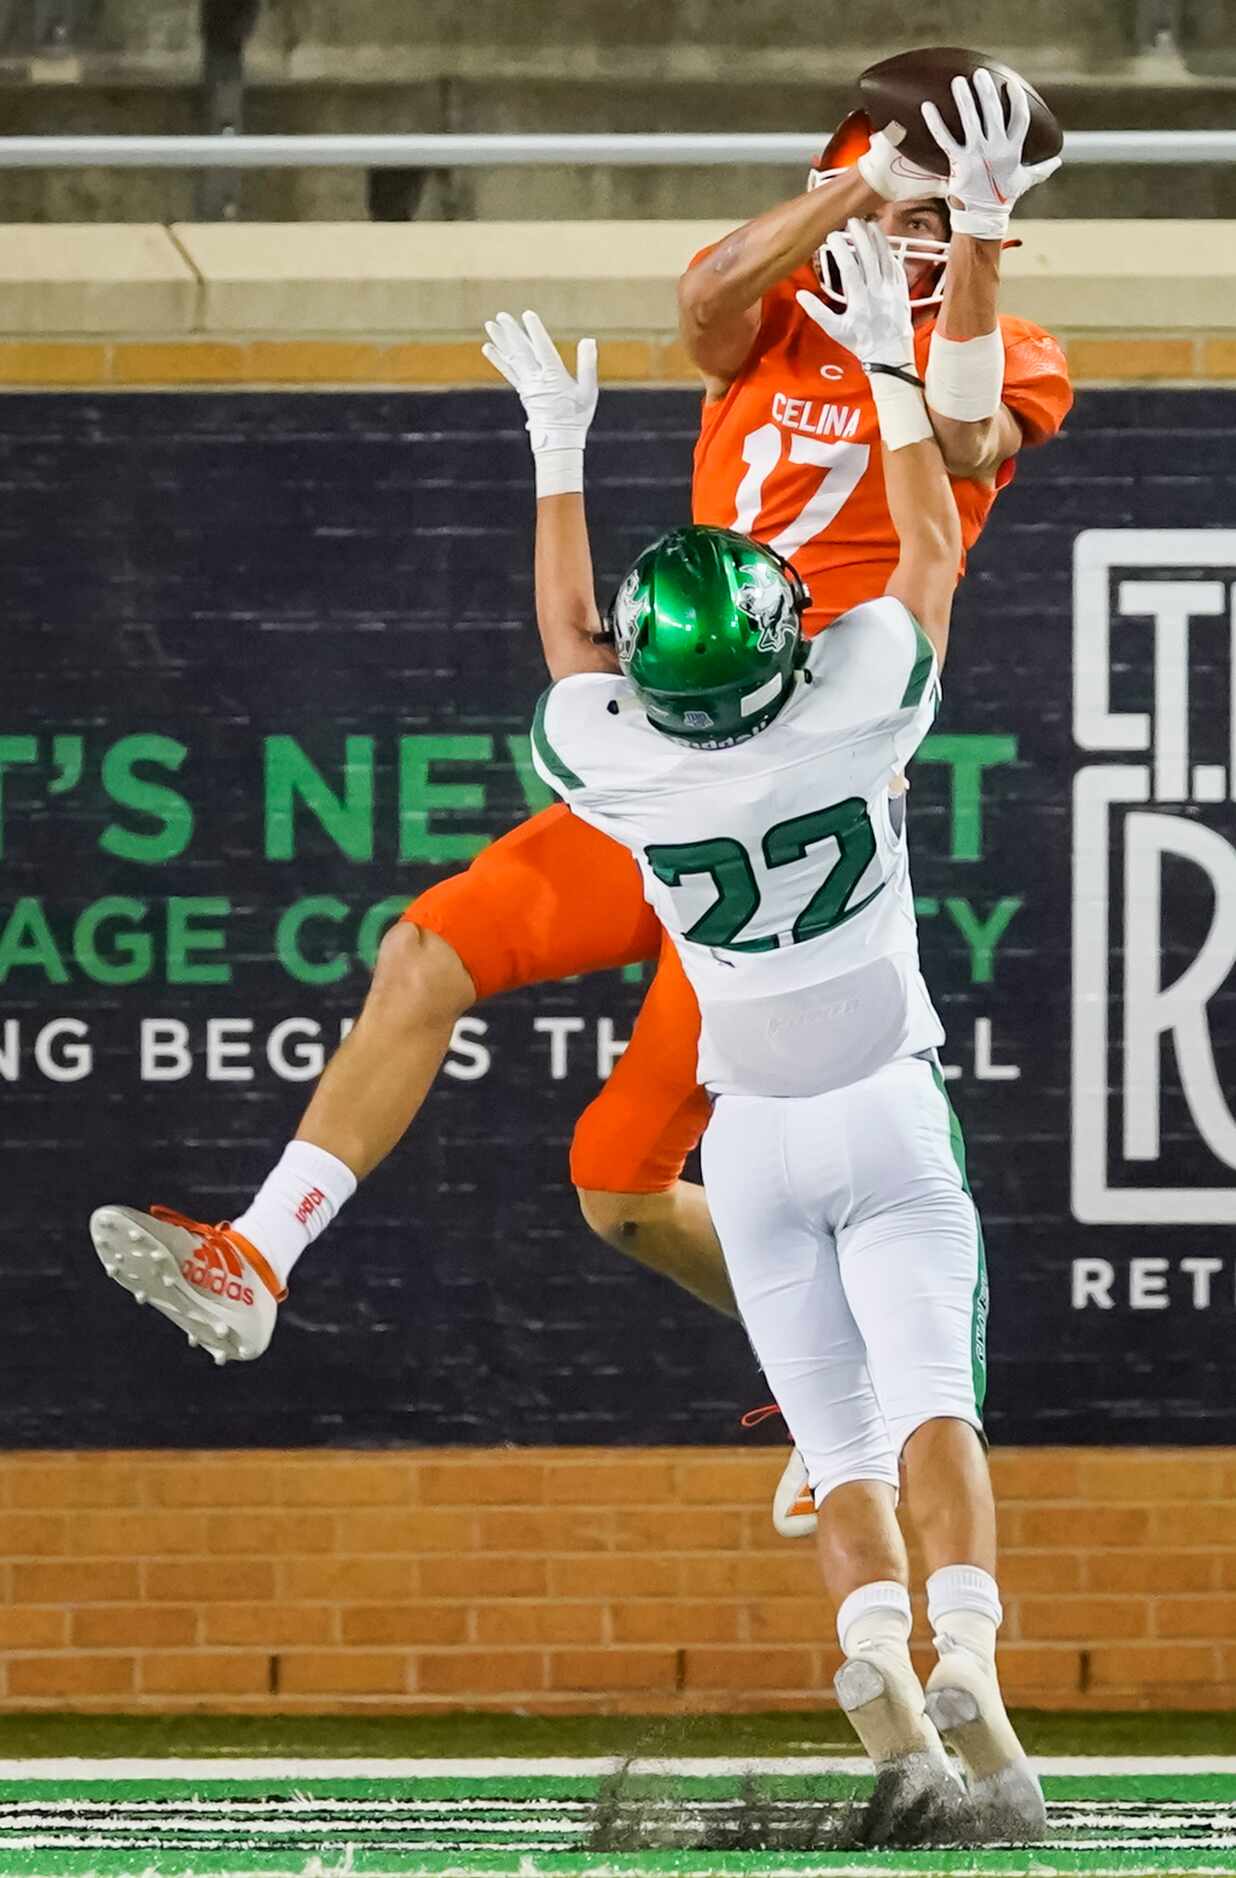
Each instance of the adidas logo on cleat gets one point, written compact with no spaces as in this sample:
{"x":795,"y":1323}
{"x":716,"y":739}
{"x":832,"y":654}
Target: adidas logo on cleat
{"x":217,"y":1282}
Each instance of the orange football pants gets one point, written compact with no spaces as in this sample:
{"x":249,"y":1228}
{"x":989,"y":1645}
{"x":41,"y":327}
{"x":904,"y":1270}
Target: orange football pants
{"x":554,"y":899}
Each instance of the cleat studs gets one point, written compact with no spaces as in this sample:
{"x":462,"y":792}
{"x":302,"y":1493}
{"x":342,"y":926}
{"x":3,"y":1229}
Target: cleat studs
{"x":193,"y":1343}
{"x":135,"y":1235}
{"x":220,"y":1357}
{"x":140,"y":1296}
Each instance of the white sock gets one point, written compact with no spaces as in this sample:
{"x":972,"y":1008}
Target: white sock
{"x":963,"y":1606}
{"x":875,"y":1613}
{"x":297,"y":1200}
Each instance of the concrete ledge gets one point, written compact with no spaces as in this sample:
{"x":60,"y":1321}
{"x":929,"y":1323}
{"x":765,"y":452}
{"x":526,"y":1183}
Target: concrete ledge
{"x":443,"y":279}
{"x":439,"y":278}
{"x":1135,"y":275}
{"x":104,"y":277}
{"x":386,"y":304}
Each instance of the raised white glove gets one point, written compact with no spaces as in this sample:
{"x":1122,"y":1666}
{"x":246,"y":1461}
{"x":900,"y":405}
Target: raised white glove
{"x":892,"y":175}
{"x":558,"y":408}
{"x":986,"y":173}
{"x":875,"y":323}
{"x":876,"y":326}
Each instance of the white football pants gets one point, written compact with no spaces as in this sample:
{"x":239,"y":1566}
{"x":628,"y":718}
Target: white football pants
{"x":856,"y":1256}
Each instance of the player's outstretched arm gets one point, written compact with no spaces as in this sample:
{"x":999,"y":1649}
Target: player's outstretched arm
{"x":876,"y":326}
{"x":965,"y":366}
{"x":975,"y":429}
{"x":559,"y":410}
{"x":719,"y":296}
{"x":920,"y":501}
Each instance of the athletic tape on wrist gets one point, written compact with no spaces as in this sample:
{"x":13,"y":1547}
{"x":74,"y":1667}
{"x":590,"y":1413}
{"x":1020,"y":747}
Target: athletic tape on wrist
{"x":559,"y":472}
{"x":983,"y":224}
{"x":965,"y":377}
{"x":901,"y":411}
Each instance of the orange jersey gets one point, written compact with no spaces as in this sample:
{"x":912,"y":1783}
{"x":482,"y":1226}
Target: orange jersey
{"x":791,"y":453}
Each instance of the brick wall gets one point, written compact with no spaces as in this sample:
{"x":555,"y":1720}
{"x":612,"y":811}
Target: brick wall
{"x":569,"y":1579}
{"x":1196,"y":357}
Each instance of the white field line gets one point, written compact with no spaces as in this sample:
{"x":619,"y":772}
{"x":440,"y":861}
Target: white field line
{"x":526,"y":1861}
{"x":525,"y":1865}
{"x":535,"y":1767}
{"x":301,"y":1813}
{"x":247,"y":1825}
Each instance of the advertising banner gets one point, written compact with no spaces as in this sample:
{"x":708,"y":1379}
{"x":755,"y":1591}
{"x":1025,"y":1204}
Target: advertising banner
{"x":269,"y":669}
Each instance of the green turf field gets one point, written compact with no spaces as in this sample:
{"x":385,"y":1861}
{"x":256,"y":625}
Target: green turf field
{"x":525,"y":1796}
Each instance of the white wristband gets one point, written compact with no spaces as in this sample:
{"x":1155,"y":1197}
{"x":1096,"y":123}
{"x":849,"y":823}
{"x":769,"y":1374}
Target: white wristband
{"x":559,"y":472}
{"x":965,"y":377}
{"x":900,"y":410}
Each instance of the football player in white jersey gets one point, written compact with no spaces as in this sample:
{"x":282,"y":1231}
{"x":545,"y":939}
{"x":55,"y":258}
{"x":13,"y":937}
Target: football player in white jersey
{"x":755,"y":777}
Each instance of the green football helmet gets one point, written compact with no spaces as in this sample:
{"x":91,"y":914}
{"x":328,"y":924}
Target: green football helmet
{"x":708,"y":629}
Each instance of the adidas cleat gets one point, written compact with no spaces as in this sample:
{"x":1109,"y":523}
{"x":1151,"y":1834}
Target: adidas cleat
{"x":209,"y":1280}
{"x":964,"y":1702}
{"x":793,"y":1511}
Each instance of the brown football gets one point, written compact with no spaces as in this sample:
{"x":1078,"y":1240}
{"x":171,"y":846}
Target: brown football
{"x":893,"y":90}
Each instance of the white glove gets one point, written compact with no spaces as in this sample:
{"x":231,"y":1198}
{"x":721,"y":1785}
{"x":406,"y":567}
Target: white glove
{"x":986,"y":174}
{"x":875,"y":323}
{"x":892,"y":175}
{"x":877,"y":327}
{"x":558,"y":408}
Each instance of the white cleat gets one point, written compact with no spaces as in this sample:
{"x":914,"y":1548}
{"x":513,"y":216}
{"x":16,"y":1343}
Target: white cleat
{"x":884,"y":1701}
{"x":793,"y":1511}
{"x":208,"y":1280}
{"x":964,"y":1702}
{"x":918,"y":1797}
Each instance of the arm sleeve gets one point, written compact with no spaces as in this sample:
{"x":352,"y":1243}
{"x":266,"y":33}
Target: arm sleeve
{"x":1036,"y":380}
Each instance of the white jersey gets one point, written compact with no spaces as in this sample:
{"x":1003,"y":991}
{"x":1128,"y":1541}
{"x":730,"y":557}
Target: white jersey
{"x":778,"y":866}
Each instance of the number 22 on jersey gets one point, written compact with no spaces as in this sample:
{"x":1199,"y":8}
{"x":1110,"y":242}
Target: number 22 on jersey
{"x":729,"y":866}
{"x":842,"y":466}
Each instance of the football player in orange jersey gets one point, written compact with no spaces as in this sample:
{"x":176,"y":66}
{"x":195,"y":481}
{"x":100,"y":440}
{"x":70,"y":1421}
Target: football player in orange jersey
{"x":786,"y":440}
{"x":555,"y":898}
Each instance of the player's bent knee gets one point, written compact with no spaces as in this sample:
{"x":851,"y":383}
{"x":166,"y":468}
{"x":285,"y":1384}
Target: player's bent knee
{"x":618,"y":1217}
{"x":839,"y":1492}
{"x":418,"y":977}
{"x":955,"y":1427}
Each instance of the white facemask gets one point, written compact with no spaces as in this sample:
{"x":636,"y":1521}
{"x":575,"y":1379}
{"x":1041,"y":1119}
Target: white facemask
{"x":908,"y":249}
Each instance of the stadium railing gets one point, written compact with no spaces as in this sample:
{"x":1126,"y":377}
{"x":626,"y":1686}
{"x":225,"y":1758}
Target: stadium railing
{"x":442,"y":151}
